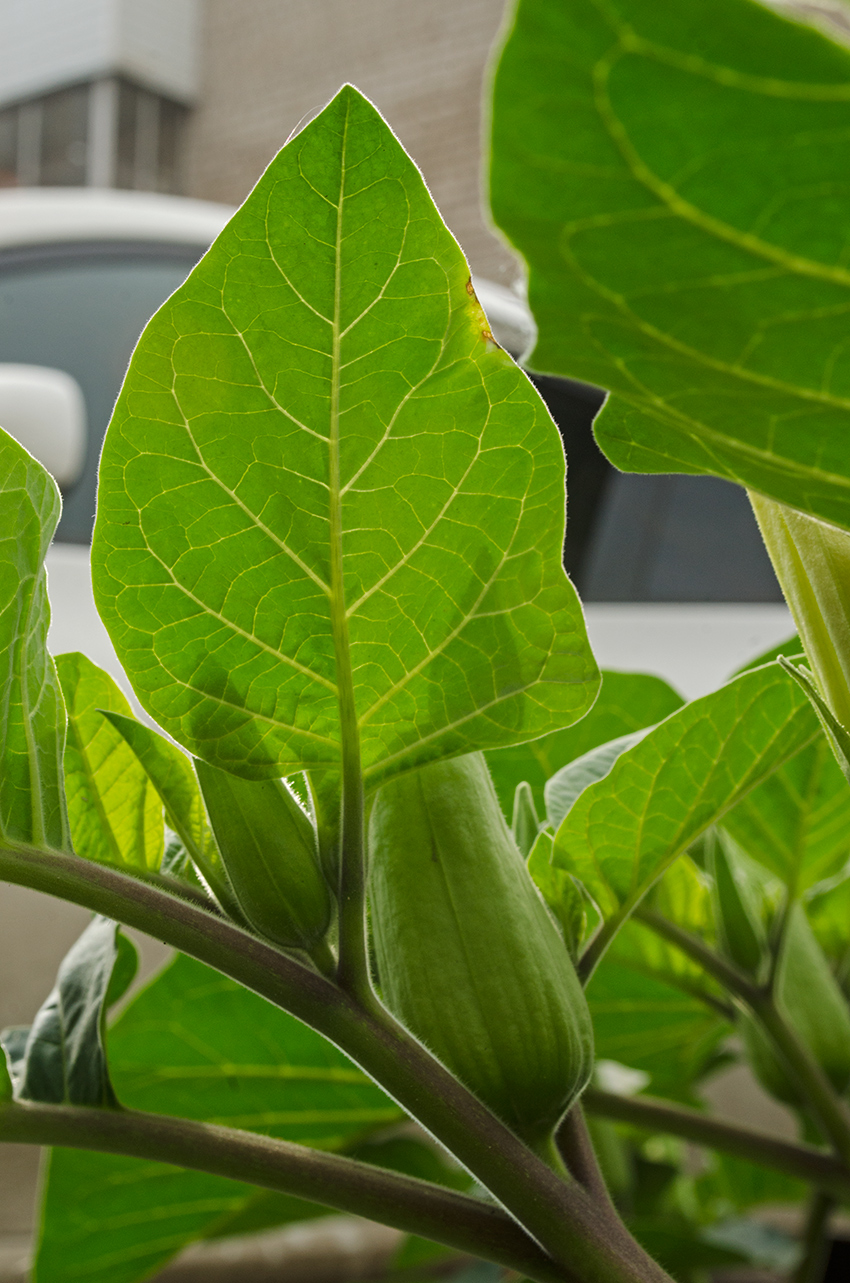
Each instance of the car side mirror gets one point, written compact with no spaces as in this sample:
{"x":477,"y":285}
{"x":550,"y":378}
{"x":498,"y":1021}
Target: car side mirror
{"x":45,"y":411}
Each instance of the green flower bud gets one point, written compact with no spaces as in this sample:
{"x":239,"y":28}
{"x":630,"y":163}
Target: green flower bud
{"x":468,"y":956}
{"x":268,"y":848}
{"x":739,"y":929}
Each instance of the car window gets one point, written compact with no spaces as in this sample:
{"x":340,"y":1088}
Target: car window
{"x":81,"y":309}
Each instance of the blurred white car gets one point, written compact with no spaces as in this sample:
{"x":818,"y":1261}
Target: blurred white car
{"x":672,"y":569}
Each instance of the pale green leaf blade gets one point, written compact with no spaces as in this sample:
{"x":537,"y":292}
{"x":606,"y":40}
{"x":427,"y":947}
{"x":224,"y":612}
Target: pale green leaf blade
{"x":567,"y":785}
{"x":797,"y":823}
{"x":321,"y":403}
{"x":32,"y":718}
{"x":674,"y":175}
{"x":626,"y":702}
{"x":114,"y":810}
{"x":171,"y":774}
{"x":63,"y":1059}
{"x":197,"y":1045}
{"x":627,"y":828}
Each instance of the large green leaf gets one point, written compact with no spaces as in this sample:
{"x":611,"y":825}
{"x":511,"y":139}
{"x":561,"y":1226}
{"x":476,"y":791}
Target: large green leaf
{"x":114,"y":809}
{"x":675,"y":176}
{"x":32,"y":719}
{"x":797,"y":823}
{"x":197,"y":1045}
{"x":626,"y":829}
{"x":61,"y":1058}
{"x":626,"y":702}
{"x":318,"y":446}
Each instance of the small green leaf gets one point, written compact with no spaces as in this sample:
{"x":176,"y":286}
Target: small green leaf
{"x":32,"y":719}
{"x":170,"y":772}
{"x":196,"y":1045}
{"x":525,"y":825}
{"x":63,"y":1060}
{"x":319,"y":452}
{"x":671,"y":174}
{"x":114,"y":810}
{"x":628,"y":827}
{"x":626,"y":702}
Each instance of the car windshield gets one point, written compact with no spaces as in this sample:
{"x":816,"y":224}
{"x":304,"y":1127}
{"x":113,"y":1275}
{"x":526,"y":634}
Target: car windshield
{"x":81,"y":309}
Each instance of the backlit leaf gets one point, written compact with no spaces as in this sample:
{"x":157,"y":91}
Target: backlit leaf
{"x":626,"y":702}
{"x":675,"y":176}
{"x":319,"y":448}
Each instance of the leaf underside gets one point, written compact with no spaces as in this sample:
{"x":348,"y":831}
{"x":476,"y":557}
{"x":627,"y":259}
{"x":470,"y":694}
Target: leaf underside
{"x":321,"y":403}
{"x":62,"y":1059}
{"x":677,"y":182}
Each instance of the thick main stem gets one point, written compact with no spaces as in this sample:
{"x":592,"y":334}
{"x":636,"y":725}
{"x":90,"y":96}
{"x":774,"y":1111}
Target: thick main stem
{"x":575,"y":1231}
{"x":405,"y":1202}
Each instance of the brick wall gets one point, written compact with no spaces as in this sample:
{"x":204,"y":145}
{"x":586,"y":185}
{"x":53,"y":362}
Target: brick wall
{"x":265,"y":64}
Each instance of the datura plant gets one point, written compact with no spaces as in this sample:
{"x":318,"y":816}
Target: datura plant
{"x":460,"y":928}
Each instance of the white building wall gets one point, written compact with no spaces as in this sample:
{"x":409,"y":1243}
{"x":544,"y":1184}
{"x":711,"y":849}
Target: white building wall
{"x":45,"y":44}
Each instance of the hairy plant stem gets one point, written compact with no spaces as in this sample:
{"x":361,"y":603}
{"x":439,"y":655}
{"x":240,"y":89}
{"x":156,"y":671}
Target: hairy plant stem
{"x":804,"y":1162}
{"x":575,"y":1145}
{"x":584,"y":1238}
{"x":345,"y":1184}
{"x":827,"y":1106}
{"x":815,"y":1243}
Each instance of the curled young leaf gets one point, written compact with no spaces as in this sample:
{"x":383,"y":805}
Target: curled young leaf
{"x":61,"y":1058}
